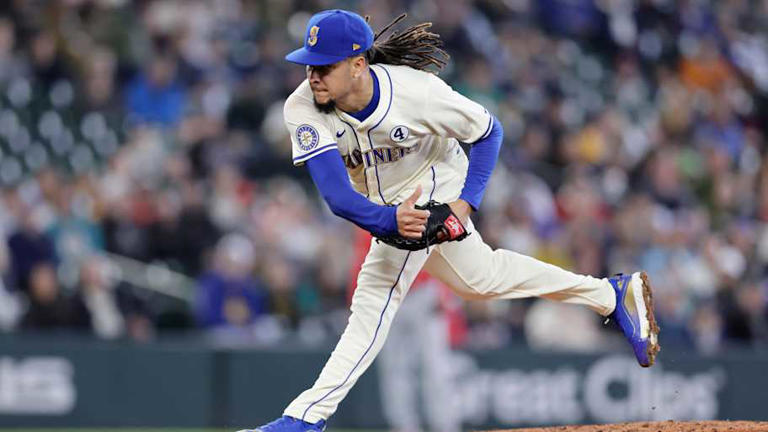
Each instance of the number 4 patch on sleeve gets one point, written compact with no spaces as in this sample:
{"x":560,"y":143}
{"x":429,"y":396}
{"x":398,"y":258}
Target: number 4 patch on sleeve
{"x":399,"y":134}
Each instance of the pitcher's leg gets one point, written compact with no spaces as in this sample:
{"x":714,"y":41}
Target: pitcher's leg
{"x":382,"y":283}
{"x":474,"y":270}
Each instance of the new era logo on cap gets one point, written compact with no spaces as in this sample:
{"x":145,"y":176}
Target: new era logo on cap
{"x":332,"y":36}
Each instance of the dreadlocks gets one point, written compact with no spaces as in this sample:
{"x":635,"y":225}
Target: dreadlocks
{"x":415,"y":47}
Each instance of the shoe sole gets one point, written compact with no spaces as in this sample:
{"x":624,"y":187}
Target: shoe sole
{"x":653,"y":337}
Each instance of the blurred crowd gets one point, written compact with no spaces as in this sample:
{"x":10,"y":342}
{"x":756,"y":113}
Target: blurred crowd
{"x":152,"y":130}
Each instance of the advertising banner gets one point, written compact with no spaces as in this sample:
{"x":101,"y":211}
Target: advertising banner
{"x":57,"y":383}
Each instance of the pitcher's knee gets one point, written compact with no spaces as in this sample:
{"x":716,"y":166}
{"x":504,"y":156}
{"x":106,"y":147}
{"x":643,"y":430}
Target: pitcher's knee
{"x":481,"y":286}
{"x":468,"y":289}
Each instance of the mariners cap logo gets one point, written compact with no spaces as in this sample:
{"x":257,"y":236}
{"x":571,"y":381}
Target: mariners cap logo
{"x":307,"y":137}
{"x":312,"y":40}
{"x":355,"y":47}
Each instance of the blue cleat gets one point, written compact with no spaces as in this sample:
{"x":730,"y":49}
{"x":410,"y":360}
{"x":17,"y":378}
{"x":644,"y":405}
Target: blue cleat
{"x":634,"y":314}
{"x":289,"y":424}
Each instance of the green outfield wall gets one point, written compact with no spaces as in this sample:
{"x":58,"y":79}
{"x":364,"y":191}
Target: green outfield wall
{"x":71,"y":382}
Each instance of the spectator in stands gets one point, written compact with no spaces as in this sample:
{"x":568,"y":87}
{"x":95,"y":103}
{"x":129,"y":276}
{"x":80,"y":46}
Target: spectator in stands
{"x":99,"y":81}
{"x":228,"y":295}
{"x":95,"y":303}
{"x":48,"y":66}
{"x":29,"y":246}
{"x":198,"y":232}
{"x":48,"y":308}
{"x":282,"y":281}
{"x":10,"y":301}
{"x":74,"y":232}
{"x":108,"y":308}
{"x":156,"y":96}
{"x":10,"y":65}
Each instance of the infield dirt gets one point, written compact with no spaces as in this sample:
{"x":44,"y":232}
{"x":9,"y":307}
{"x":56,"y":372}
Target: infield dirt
{"x":667,"y":426}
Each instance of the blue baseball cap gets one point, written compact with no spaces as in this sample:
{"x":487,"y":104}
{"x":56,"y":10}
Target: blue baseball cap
{"x":332,"y":36}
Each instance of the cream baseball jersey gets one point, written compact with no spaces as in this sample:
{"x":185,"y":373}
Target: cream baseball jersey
{"x":412,"y":137}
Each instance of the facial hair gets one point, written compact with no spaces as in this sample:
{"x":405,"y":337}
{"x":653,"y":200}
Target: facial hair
{"x":325,"y":108}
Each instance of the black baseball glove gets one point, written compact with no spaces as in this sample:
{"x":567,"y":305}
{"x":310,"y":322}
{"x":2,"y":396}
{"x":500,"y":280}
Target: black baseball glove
{"x":442,"y":226}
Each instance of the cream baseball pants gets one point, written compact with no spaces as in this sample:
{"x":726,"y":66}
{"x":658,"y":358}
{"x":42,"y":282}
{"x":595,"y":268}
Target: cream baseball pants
{"x":470,"y":267}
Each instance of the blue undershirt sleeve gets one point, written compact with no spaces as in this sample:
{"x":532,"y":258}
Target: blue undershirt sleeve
{"x":330,"y":177}
{"x":482,"y":159}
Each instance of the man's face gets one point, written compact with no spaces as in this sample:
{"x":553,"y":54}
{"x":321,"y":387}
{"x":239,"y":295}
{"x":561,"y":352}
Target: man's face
{"x":329,"y":83}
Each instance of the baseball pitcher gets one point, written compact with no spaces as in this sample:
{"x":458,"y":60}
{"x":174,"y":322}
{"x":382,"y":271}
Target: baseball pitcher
{"x":380,"y":136}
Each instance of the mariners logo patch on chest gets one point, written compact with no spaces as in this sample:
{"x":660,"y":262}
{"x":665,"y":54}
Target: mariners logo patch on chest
{"x":307,"y":137}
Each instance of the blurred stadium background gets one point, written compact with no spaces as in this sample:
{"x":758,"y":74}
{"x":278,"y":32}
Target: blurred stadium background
{"x":163,"y":264}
